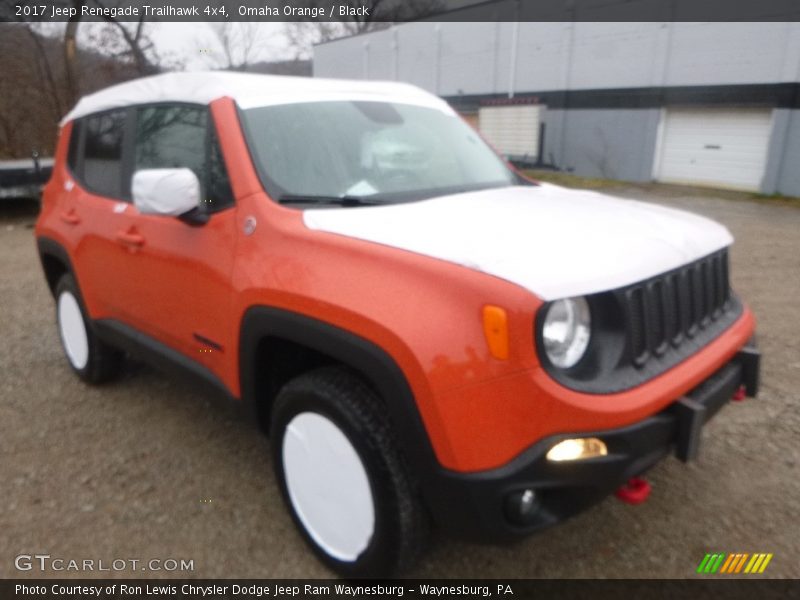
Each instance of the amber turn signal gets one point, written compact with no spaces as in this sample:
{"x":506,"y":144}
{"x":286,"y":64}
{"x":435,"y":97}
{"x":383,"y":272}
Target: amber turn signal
{"x":495,"y":328}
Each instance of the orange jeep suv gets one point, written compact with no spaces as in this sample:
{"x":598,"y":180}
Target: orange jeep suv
{"x":428,"y":337}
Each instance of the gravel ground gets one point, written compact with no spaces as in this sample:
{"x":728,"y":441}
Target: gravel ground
{"x":150,"y":467}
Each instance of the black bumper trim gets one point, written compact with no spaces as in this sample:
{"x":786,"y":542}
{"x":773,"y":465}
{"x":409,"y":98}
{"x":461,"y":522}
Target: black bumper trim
{"x":750,"y":359}
{"x":691,"y":416}
{"x":473,"y":505}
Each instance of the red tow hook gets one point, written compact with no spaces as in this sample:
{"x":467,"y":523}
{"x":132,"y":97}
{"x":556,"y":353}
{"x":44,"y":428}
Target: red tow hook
{"x":739,"y":395}
{"x":636,"y":491}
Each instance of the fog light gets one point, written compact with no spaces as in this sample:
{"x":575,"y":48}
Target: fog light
{"x":577,"y":449}
{"x":521,"y":506}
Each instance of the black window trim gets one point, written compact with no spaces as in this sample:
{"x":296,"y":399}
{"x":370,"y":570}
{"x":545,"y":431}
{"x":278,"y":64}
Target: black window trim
{"x":79,"y":130}
{"x":78,"y":173}
{"x":207,"y":143}
{"x":212,"y":133}
{"x":128,"y":151}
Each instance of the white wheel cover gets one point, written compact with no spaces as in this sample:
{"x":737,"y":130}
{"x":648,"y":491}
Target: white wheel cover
{"x":73,"y":330}
{"x":328,"y":486}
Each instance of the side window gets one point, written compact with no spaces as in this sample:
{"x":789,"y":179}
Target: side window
{"x":102,"y":154}
{"x":178,"y":136}
{"x":169,"y":137}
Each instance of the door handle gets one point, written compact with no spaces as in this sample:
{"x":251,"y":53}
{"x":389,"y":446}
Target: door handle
{"x":130,"y":239}
{"x":69,"y":217}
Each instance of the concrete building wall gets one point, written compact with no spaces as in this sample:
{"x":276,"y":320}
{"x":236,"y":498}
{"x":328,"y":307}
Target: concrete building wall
{"x":417,"y":55}
{"x":606,"y":143}
{"x":783,"y":165}
{"x":469,"y":60}
{"x":465,"y":52}
{"x":708,"y":53}
{"x":475,"y":58}
{"x":341,"y":59}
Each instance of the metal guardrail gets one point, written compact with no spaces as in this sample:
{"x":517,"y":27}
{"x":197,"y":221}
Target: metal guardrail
{"x":24,"y":178}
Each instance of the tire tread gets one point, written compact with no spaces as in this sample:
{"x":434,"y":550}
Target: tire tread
{"x":347,"y":388}
{"x":105,"y":362}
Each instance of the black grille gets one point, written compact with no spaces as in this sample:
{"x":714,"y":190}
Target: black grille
{"x":643,"y":330}
{"x":672,"y":308}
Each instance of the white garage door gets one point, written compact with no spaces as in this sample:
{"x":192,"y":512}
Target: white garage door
{"x":718,"y":147}
{"x":512,"y":130}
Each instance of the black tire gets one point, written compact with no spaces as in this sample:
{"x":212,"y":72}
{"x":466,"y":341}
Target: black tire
{"x":97,"y":361}
{"x":401,"y":524}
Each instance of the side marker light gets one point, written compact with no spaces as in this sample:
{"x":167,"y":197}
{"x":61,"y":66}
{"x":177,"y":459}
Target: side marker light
{"x":495,"y":328}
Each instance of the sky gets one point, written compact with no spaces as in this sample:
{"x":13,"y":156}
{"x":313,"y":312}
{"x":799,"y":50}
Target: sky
{"x":196,"y":45}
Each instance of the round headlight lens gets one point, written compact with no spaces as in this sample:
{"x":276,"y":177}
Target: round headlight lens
{"x":566,"y":331}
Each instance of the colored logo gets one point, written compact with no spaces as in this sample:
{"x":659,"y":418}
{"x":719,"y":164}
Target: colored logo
{"x":743,"y":562}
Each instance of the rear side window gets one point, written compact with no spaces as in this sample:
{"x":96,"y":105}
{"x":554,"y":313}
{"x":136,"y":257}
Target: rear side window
{"x":169,"y":137}
{"x":102,"y":153}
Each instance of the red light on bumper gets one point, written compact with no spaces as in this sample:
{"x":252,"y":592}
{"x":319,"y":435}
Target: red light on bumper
{"x":636,"y":491}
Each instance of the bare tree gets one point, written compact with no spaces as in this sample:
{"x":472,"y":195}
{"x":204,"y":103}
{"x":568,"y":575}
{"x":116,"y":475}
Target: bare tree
{"x":47,"y":66}
{"x":29,"y":91}
{"x":45,"y":70}
{"x":241,"y":44}
{"x":139,"y":46}
{"x":302,"y":36}
{"x":129,"y":43}
{"x":71,"y":51}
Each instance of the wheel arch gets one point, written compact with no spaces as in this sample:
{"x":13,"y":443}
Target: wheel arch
{"x":55,"y":261}
{"x":267,"y":331}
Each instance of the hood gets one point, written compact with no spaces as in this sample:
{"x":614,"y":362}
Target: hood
{"x":553,"y":241}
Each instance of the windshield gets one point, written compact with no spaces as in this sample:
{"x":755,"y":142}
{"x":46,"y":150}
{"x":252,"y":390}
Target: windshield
{"x":368,"y":153}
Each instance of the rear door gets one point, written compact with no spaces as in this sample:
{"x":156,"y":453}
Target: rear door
{"x":92,"y":207}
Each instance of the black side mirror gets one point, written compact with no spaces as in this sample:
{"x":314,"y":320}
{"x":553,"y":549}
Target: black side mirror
{"x":195,"y":217}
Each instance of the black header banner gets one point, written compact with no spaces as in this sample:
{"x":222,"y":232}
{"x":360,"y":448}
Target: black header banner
{"x":384,"y":11}
{"x":331,"y":589}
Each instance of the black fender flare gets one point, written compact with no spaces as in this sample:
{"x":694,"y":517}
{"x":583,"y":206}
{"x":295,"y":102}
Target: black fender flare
{"x":365,"y":357}
{"x":50,"y":247}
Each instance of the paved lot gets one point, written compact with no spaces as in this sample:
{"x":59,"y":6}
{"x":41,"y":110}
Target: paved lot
{"x":150,"y":467}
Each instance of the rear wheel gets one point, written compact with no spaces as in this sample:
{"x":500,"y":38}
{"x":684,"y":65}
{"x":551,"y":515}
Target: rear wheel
{"x":343,"y":476}
{"x":92,"y":360}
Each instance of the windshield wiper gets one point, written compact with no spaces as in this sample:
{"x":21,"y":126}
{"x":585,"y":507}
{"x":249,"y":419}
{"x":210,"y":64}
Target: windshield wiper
{"x":338,"y":200}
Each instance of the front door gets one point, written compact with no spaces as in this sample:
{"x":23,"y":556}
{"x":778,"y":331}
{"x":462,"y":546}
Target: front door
{"x":176,"y":285}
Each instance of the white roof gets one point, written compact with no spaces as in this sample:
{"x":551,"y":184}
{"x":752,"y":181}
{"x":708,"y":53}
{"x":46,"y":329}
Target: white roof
{"x":248,"y":90}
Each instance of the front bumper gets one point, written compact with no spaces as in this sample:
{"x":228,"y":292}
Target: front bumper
{"x":474,"y":505}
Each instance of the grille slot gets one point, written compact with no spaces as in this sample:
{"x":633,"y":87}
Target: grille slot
{"x":695,"y":299}
{"x":671,"y":308}
{"x":657,"y":316}
{"x":637,"y":326}
{"x":716,"y":274}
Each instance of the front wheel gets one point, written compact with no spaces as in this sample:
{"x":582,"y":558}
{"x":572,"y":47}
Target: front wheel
{"x":90,"y":358}
{"x":343,"y":477}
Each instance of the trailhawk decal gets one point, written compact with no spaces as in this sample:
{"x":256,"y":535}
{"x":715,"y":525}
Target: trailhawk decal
{"x":552,"y":241}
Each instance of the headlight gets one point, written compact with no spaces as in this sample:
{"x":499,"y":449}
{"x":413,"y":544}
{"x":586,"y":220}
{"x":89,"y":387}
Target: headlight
{"x":566,"y":331}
